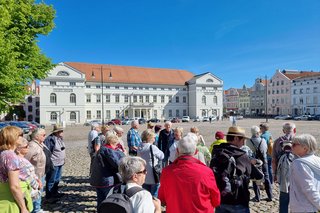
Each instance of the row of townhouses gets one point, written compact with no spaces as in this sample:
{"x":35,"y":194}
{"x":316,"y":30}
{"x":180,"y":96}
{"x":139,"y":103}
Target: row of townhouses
{"x":75,"y":93}
{"x":287,"y":92}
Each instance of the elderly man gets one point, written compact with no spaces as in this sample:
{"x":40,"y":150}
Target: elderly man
{"x":55,"y":144}
{"x":188,"y":185}
{"x":233,"y":169}
{"x":289,"y":130}
{"x":133,"y":138}
{"x":165,"y":137}
{"x":37,"y":158}
{"x":94,"y":142}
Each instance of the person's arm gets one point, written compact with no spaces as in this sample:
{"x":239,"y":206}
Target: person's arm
{"x":97,"y":144}
{"x":301,"y":176}
{"x":157,"y":152}
{"x":157,"y":205}
{"x":16,"y":190}
{"x":214,"y":190}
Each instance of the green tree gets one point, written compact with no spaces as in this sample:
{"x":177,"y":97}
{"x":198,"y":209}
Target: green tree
{"x":21,"y":60}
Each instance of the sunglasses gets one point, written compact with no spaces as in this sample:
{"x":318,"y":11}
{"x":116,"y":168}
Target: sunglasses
{"x":295,"y":144}
{"x":142,"y":172}
{"x":24,"y":147}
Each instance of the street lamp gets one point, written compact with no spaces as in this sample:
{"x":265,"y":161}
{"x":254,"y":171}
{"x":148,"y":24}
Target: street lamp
{"x":102,"y":104}
{"x":266,"y":102}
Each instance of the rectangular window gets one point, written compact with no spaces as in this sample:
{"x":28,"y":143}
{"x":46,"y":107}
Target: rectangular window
{"x":308,"y":90}
{"x":147,"y":98}
{"x":88,"y":98}
{"x":315,"y":89}
{"x":72,"y":83}
{"x":117,"y":98}
{"x":155,"y":113}
{"x":88,"y":86}
{"x":98,"y":86}
{"x":98,"y":96}
{"x":88,"y":114}
{"x":301,"y":91}
{"x":108,"y":114}
{"x":162,"y":98}
{"x":177,"y":99}
{"x":135,"y":99}
{"x":184,"y":112}
{"x":184,"y":99}
{"x":108,"y":98}
{"x":126,"y":98}
{"x":117,"y":113}
{"x":53,"y":83}
{"x":155,"y":99}
{"x":177,"y":113}
{"x":170,"y":113}
{"x":141,"y":98}
{"x":98,"y":114}
{"x":170,"y":98}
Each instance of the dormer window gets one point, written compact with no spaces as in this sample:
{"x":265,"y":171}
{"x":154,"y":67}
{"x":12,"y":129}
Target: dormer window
{"x":209,"y":80}
{"x":63,"y":73}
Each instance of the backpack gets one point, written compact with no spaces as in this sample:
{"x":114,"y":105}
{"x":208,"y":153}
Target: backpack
{"x":270,"y":146}
{"x":118,"y":200}
{"x":258,"y":153}
{"x":225,"y":170}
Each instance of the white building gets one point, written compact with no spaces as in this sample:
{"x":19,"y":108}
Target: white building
{"x":306,"y":95}
{"x":74,"y":93}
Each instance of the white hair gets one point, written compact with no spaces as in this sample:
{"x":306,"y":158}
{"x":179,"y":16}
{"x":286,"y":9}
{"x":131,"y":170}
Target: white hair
{"x":308,"y":141}
{"x":288,"y":127}
{"x":134,"y":123}
{"x":117,"y":129}
{"x":129,"y":166}
{"x":187,"y":145}
{"x":255,"y":131}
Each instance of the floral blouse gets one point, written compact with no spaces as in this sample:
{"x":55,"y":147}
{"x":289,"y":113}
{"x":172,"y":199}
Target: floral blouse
{"x":9,"y":161}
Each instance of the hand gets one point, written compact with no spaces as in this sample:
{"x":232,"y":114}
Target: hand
{"x":24,"y":211}
{"x":157,"y":204}
{"x":40,"y":183}
{"x":253,"y":161}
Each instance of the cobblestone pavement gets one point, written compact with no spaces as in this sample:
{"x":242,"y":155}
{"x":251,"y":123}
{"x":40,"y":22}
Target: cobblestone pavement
{"x":81,"y":197}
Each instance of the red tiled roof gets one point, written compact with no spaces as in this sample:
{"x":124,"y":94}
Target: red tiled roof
{"x":292,"y":75}
{"x":130,"y":74}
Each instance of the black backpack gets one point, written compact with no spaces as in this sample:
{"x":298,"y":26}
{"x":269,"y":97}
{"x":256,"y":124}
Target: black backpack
{"x":119,"y":201}
{"x":226,"y":173}
{"x":258,"y":153}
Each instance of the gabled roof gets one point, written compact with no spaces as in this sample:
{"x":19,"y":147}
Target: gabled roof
{"x":297,"y":74}
{"x":132,"y":75}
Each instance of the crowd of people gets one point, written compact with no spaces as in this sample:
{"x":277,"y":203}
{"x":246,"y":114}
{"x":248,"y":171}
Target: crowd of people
{"x":27,"y":168}
{"x":166,"y":167}
{"x":196,"y":178}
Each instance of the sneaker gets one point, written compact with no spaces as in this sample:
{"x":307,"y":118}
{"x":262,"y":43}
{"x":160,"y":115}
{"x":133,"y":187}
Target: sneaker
{"x":255,"y":199}
{"x":268,"y":199}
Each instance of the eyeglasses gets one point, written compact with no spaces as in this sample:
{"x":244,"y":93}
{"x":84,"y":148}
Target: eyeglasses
{"x":142,"y":172}
{"x":24,"y":147}
{"x":295,"y":144}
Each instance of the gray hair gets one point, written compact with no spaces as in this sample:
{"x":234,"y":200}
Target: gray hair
{"x":187,"y":145}
{"x":255,"y":131}
{"x":168,"y":123}
{"x":147,"y":135}
{"x":129,"y":166}
{"x":94,"y":125}
{"x":118,"y":129}
{"x":36,"y":133}
{"x":308,"y":141}
{"x":288,"y":127}
{"x":134,"y":123}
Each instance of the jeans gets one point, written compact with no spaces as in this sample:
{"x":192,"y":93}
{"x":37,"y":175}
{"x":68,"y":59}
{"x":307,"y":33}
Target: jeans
{"x":152,"y":188}
{"x":53,"y":178}
{"x":37,"y":202}
{"x":270,"y":169}
{"x":225,"y":208}
{"x":284,"y":202}
{"x":101,"y":195}
{"x":267,"y":184}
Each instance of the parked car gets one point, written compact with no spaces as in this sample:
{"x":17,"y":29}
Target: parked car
{"x":154,"y":120}
{"x":142,"y":121}
{"x":115,"y":121}
{"x":175,"y":120}
{"x":316,"y":117}
{"x":302,"y":117}
{"x":32,"y":127}
{"x":185,"y":119}
{"x":89,"y":123}
{"x":23,"y":126}
{"x":127,"y":121}
{"x":282,"y":117}
{"x":205,"y":119}
{"x":38,"y":125}
{"x":196,"y":119}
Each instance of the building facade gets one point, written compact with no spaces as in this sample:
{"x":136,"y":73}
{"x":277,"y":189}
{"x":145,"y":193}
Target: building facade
{"x":231,"y":100}
{"x":244,"y":101}
{"x":80,"y":92}
{"x":258,"y":98}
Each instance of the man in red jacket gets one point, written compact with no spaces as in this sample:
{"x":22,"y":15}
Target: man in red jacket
{"x":188,"y":185}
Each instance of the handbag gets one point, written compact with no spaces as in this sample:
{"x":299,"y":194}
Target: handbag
{"x":156,"y":169}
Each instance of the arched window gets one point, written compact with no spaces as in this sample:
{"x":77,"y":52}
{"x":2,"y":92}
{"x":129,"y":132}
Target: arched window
{"x":53,"y":116}
{"x":209,"y":80}
{"x":204,"y":100}
{"x":63,"y":73}
{"x":53,"y":98}
{"x":215,"y":100}
{"x":73,"y":116}
{"x":72,"y":98}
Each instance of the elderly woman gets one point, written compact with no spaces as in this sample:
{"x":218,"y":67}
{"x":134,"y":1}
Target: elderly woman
{"x":259,"y":145}
{"x":13,"y":193}
{"x":148,"y":138}
{"x":37,"y":157}
{"x":104,"y":167}
{"x":201,"y":145}
{"x":119,"y":132}
{"x":305,"y":175}
{"x":173,"y":144}
{"x":133,"y":172}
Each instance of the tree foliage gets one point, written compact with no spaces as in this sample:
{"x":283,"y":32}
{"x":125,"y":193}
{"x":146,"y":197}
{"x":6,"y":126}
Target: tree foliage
{"x":21,"y":60}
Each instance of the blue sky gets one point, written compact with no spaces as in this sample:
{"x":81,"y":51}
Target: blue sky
{"x":236,"y":40}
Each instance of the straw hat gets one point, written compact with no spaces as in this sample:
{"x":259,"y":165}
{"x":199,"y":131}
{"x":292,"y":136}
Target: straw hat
{"x":57,"y":128}
{"x":237,"y":131}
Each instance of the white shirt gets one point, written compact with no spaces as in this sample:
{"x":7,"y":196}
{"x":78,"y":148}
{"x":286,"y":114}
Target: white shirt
{"x":141,"y":201}
{"x":173,"y":151}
